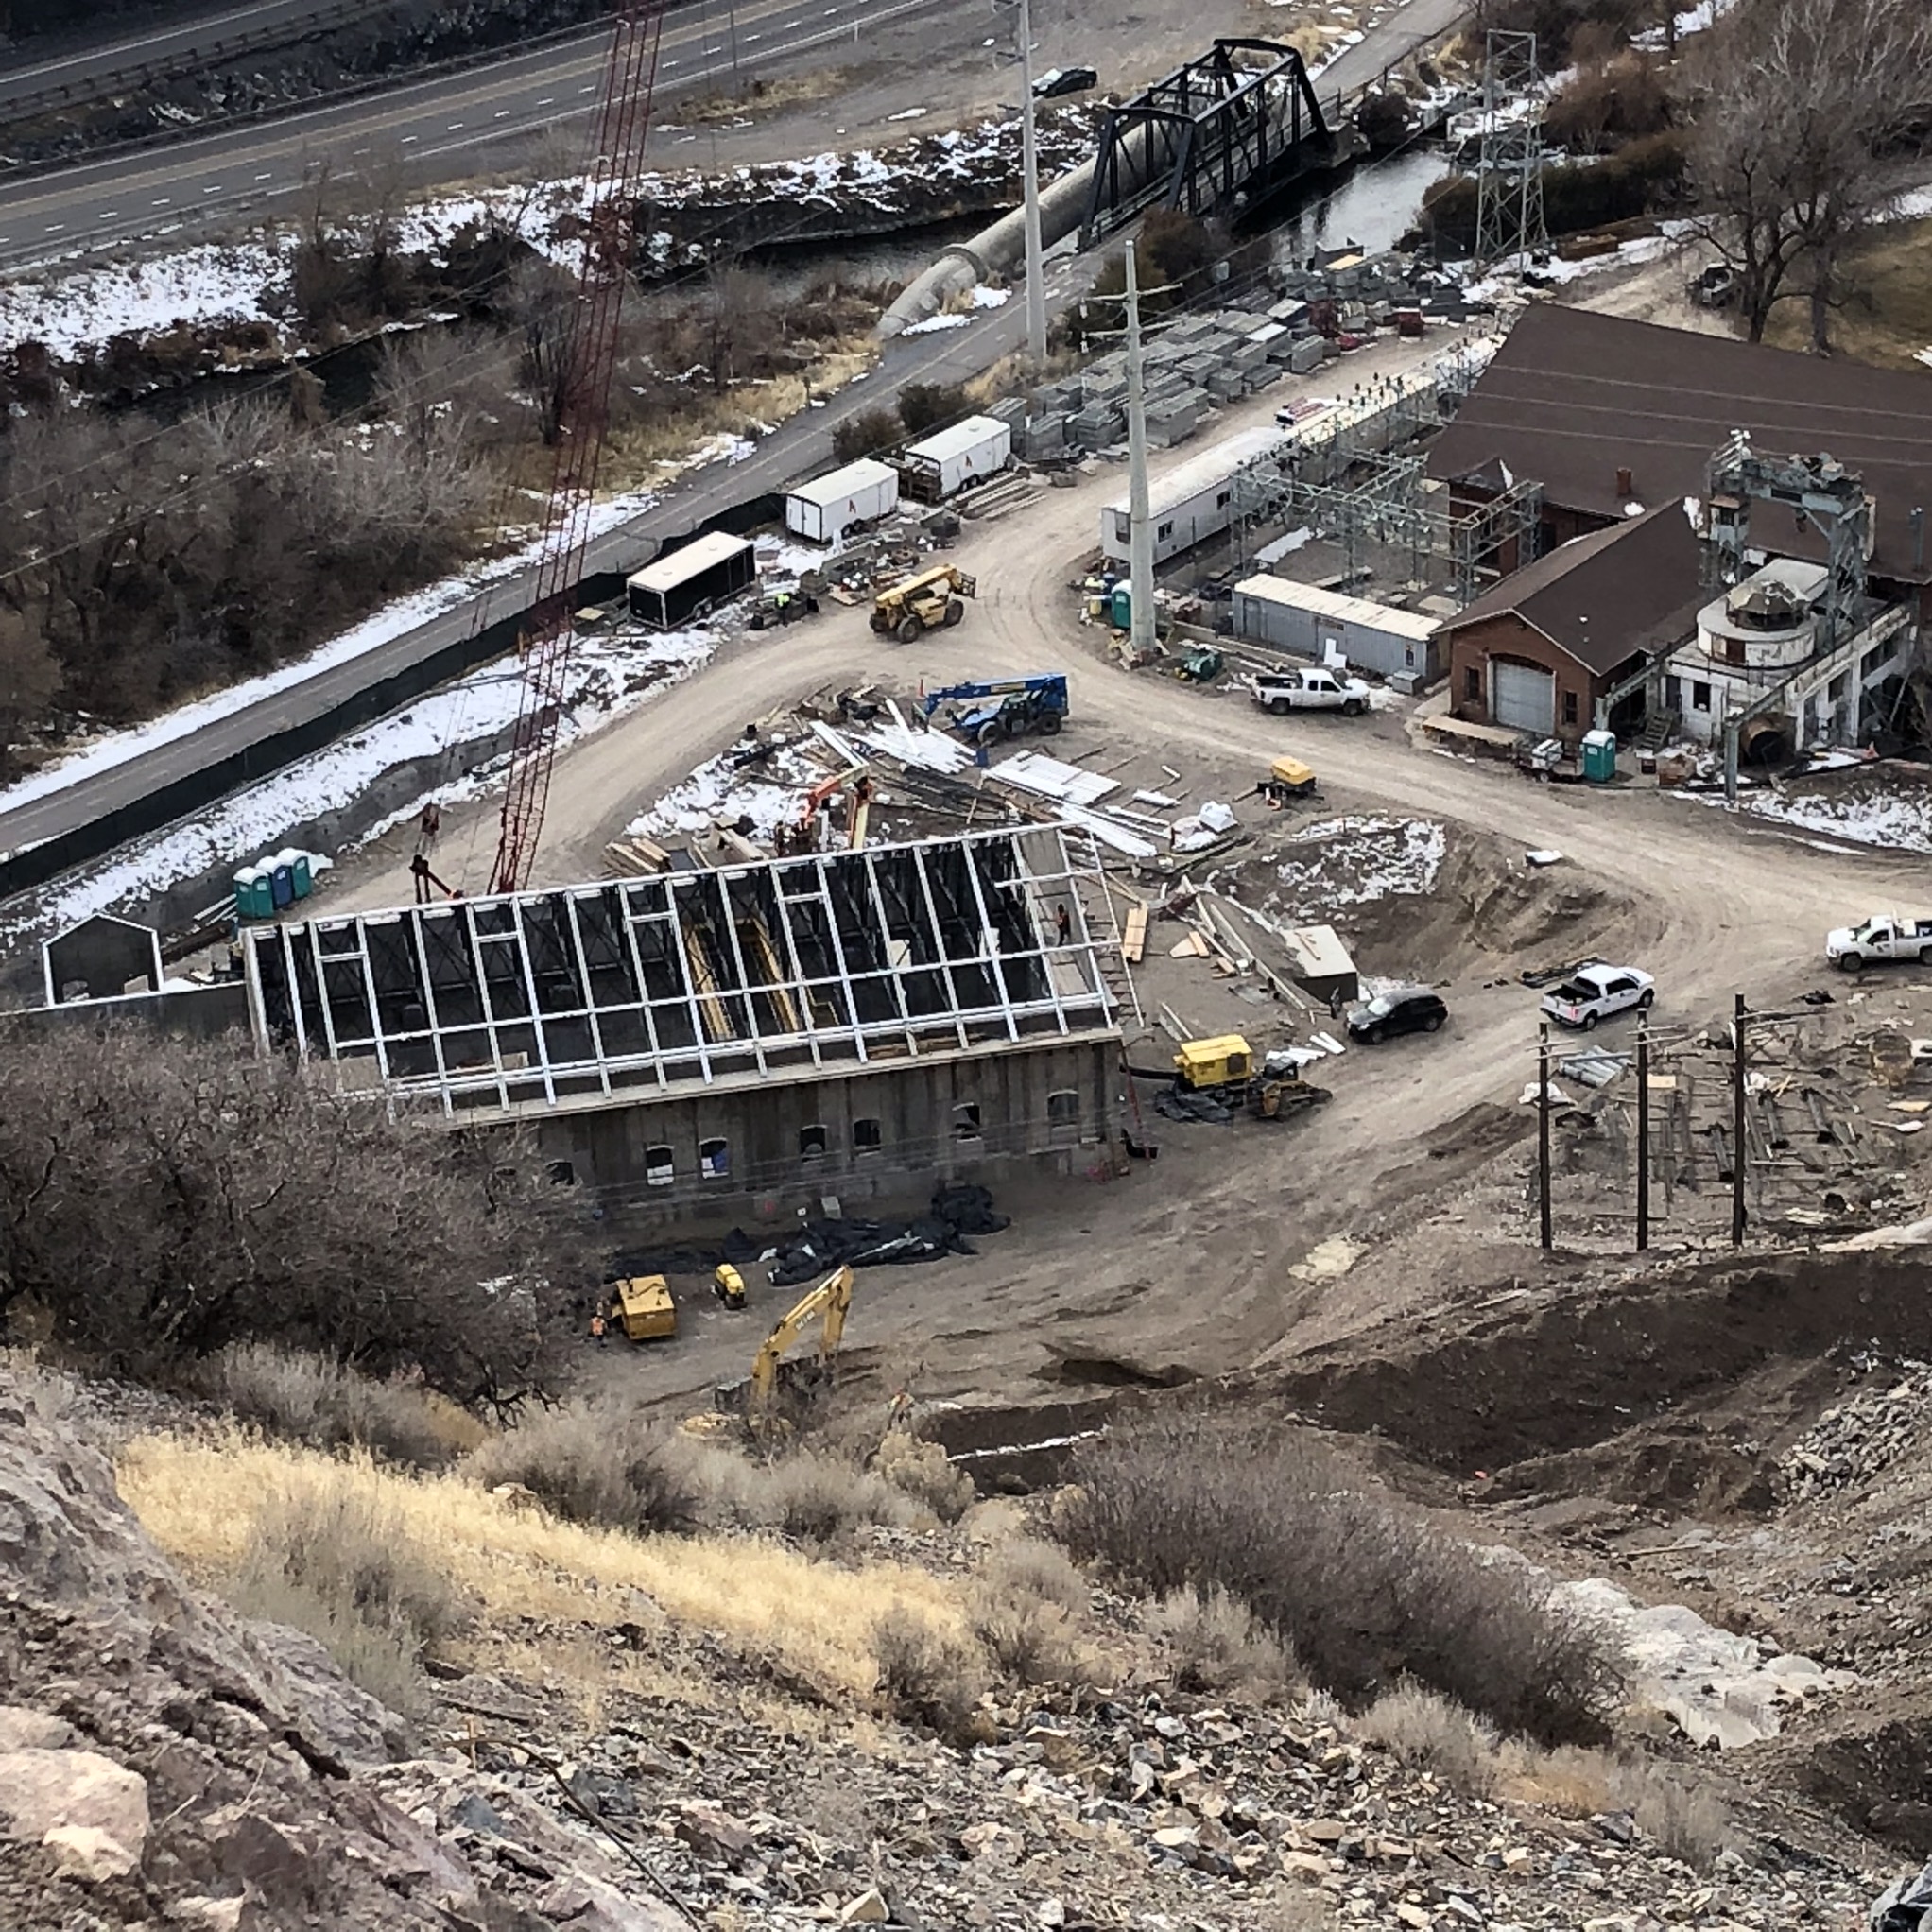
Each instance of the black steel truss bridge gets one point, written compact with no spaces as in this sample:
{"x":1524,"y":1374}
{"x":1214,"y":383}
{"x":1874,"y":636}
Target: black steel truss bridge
{"x":1222,"y":134}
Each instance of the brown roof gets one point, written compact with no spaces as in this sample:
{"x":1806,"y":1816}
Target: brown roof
{"x":1605,"y":597}
{"x":1570,"y":398}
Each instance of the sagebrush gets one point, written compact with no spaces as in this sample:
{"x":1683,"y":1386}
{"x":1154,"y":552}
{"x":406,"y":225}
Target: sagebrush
{"x":1363,"y":1588}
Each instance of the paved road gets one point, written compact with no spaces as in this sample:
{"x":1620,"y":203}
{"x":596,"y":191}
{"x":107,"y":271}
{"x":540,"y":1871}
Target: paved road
{"x":436,"y":128}
{"x":798,"y":449}
{"x":39,"y":66}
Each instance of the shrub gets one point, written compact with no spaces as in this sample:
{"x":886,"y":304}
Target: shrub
{"x":818,"y":1497}
{"x":1685,"y":1817}
{"x":1605,"y":105}
{"x":1040,"y":1569}
{"x":326,"y":1561}
{"x":1362,"y":1587}
{"x":601,"y":1465}
{"x":1217,"y":1644}
{"x":1427,"y":1730}
{"x":921,"y":1470}
{"x":864,"y":435}
{"x":925,"y":406}
{"x":925,"y":1677}
{"x":308,"y":1398}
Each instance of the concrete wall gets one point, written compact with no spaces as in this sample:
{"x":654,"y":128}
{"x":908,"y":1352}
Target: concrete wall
{"x":916,"y":1111}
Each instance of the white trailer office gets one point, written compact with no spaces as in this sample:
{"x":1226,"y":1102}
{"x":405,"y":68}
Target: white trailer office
{"x":823,"y":509}
{"x":1189,"y":504}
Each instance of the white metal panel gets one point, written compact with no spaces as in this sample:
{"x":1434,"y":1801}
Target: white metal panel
{"x":1523,"y":696}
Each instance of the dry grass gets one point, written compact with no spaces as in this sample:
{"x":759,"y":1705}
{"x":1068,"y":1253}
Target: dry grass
{"x":761,"y":97}
{"x":1685,"y":1817}
{"x":923,"y":1674}
{"x":1889,"y":316}
{"x":1424,"y":1730}
{"x":200,"y":1499}
{"x":920,"y":1471}
{"x":1218,"y":1645}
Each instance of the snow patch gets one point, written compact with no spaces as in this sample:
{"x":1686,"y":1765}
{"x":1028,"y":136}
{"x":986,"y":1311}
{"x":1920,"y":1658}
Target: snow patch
{"x":1356,"y":861}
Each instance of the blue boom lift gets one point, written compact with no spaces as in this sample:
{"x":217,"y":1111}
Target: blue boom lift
{"x":1004,"y":707}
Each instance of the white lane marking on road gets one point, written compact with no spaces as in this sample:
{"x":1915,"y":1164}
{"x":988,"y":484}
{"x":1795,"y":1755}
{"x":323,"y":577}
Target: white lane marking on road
{"x":501,"y":114}
{"x":750,"y":38}
{"x":452,"y":127}
{"x":546,"y":100}
{"x":163,"y":201}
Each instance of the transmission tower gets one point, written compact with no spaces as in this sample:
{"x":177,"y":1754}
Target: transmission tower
{"x":1508,"y":181}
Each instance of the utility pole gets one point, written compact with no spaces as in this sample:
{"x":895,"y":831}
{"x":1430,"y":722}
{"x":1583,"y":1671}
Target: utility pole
{"x":1542,"y":1175}
{"x":1737,"y":1214}
{"x":1643,"y":1132}
{"x":1029,"y":163}
{"x":1140,"y":579}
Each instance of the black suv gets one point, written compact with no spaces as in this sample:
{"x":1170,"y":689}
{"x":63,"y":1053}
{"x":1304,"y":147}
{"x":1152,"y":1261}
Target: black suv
{"x":1407,"y":1010}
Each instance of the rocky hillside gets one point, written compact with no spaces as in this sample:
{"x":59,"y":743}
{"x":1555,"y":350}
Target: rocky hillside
{"x":831,"y":1720}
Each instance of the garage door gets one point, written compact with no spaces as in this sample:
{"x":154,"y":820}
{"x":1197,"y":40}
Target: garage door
{"x":1522,"y":698}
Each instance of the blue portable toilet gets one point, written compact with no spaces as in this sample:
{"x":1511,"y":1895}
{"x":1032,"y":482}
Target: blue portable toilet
{"x":298,"y":866}
{"x":281,"y":881}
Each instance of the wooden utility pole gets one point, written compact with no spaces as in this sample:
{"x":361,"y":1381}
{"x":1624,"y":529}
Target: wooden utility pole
{"x":1643,"y":1132}
{"x":1737,"y":1148}
{"x":1549,"y":1239}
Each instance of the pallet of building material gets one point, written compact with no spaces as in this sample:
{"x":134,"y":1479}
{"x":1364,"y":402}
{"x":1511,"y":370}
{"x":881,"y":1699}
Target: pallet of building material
{"x":1133,"y":934}
{"x":637,"y":857}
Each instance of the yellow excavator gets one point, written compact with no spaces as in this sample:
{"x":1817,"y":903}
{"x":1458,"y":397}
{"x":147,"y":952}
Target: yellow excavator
{"x":753,"y":1398}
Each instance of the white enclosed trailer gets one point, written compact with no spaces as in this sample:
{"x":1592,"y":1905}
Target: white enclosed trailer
{"x":823,"y":509}
{"x":949,"y":460}
{"x":1191,"y":503}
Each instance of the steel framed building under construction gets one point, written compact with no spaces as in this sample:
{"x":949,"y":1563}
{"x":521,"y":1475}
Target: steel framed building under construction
{"x":844,"y":1019}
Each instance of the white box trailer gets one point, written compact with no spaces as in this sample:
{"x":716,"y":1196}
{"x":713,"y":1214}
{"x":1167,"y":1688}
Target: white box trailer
{"x":948,"y":461}
{"x":1189,"y":504}
{"x":823,"y":509}
{"x":690,"y":583}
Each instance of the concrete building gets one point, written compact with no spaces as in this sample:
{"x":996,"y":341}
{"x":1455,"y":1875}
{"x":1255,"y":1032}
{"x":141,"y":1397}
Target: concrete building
{"x":705,"y":1045}
{"x":1314,"y":623}
{"x":1543,"y":649}
{"x":1763,"y":633}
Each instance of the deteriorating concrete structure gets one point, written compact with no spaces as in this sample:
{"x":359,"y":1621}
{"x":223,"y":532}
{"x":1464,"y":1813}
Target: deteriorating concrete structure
{"x":844,"y":1022}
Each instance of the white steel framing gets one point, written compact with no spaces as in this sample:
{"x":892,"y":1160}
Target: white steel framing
{"x":780,"y":969}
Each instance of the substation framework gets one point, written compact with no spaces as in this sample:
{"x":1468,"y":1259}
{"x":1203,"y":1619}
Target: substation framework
{"x":1210,"y":137}
{"x":838,"y":961}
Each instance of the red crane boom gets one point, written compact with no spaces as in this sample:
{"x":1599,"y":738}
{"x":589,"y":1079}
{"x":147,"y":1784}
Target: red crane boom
{"x":583,"y":419}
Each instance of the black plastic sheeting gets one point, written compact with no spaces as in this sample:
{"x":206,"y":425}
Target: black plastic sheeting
{"x":957,"y":1212}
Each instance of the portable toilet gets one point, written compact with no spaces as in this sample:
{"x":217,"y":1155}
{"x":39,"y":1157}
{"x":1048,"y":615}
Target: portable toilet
{"x":248,"y":887}
{"x":281,"y":881}
{"x":1599,"y":756}
{"x":1123,"y":607}
{"x":298,"y":866}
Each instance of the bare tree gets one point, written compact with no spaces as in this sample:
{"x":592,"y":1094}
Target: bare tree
{"x":1799,"y":99}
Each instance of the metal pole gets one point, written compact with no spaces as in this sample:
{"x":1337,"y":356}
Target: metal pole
{"x":1141,"y":534}
{"x":1643,"y":1133}
{"x":1549,"y":1239}
{"x":1030,"y":162}
{"x":1737,"y":1215}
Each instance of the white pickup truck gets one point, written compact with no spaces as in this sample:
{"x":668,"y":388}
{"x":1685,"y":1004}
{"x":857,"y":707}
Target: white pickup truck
{"x":1317,"y":688}
{"x":1884,"y":936}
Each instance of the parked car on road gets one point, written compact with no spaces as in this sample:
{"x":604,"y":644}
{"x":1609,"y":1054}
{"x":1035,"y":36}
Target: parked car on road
{"x":1884,"y":936}
{"x":1056,"y":81}
{"x":1319,"y":688}
{"x":1403,"y":1010}
{"x":1595,"y":993}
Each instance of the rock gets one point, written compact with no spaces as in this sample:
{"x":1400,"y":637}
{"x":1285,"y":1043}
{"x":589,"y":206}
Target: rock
{"x":868,"y":1908}
{"x":208,"y":1915}
{"x":713,"y":1835}
{"x":44,"y":1791}
{"x":1325,"y":1831}
{"x":22,"y":1730}
{"x":86,"y":1852}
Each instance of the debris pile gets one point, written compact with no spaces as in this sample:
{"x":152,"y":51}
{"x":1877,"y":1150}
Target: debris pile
{"x":1856,"y":1439}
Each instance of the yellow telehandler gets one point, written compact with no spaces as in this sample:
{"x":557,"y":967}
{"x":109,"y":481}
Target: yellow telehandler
{"x":922,"y":603}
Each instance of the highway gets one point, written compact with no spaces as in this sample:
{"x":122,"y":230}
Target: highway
{"x":73,"y":62}
{"x":799,"y":448}
{"x":436,"y":128}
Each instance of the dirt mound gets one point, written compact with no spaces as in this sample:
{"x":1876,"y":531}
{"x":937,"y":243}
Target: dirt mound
{"x":1543,"y":1378}
{"x":1875,"y":1773}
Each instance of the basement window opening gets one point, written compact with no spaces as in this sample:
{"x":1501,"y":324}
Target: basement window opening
{"x":713,"y":1158}
{"x":814,"y":1141}
{"x":559,"y":1173}
{"x":1063,"y":1111}
{"x":966,"y":1121}
{"x":659,"y":1167}
{"x":867,"y":1136}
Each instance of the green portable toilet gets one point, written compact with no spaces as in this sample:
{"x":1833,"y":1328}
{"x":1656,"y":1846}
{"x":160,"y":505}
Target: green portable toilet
{"x":1599,"y":756}
{"x":1123,"y":607}
{"x":298,"y":866}
{"x":253,"y":894}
